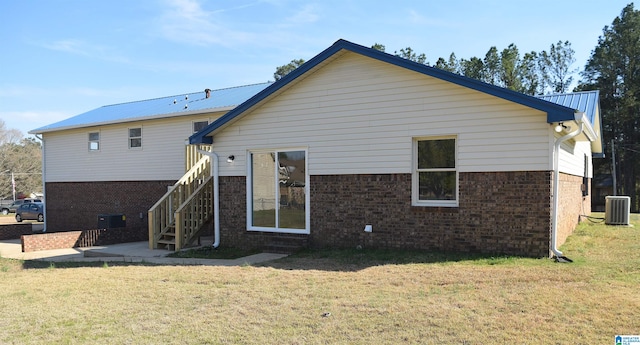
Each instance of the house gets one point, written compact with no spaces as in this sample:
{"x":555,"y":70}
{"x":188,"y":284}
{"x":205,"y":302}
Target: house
{"x":355,"y":148}
{"x":361,"y":148}
{"x":118,"y":160}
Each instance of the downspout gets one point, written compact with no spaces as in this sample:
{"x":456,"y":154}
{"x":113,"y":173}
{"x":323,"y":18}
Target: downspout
{"x":556,"y":190}
{"x":44,"y":179}
{"x":216,"y":194}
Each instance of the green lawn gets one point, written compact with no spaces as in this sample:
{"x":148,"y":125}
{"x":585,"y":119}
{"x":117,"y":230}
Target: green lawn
{"x":336,"y":297}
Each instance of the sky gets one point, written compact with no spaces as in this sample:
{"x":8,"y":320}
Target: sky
{"x":61,"y":58}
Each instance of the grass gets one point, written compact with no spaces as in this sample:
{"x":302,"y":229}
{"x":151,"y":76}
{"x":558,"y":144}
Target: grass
{"x":336,"y":297}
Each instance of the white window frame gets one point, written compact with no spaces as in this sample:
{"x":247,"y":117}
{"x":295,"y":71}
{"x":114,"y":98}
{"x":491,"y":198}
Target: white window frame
{"x":249,"y":182}
{"x":129,"y":138}
{"x":97,"y":142}
{"x":415,"y":190}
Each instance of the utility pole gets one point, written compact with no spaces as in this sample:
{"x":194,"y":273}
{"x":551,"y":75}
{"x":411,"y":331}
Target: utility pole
{"x":13,"y":186}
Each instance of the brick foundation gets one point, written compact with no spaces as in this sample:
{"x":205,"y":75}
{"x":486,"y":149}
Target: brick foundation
{"x":74,"y":239}
{"x":14,"y":231}
{"x":76,"y":205}
{"x":499,"y":212}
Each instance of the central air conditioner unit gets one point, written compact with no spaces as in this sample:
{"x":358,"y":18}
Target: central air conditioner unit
{"x":616,"y":210}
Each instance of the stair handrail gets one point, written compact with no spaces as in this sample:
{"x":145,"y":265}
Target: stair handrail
{"x":161,"y":214}
{"x":193,"y":213}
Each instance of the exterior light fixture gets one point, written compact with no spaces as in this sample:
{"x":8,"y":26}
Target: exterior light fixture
{"x":231,"y":158}
{"x":560,"y":127}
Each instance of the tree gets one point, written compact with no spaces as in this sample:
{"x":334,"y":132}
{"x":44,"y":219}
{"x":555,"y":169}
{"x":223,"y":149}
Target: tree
{"x":510,"y":68}
{"x":410,"y":54}
{"x":286,"y":69}
{"x":558,"y":66}
{"x":473,"y":68}
{"x":378,"y":46}
{"x":20,"y":159}
{"x":492,"y":66}
{"x":530,"y":73}
{"x":8,"y":136}
{"x":452,"y":65}
{"x":614,"y":69}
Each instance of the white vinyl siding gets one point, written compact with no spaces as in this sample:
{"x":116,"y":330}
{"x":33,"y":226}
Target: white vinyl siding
{"x":572,"y":158}
{"x":358,"y":116}
{"x":163,"y":157}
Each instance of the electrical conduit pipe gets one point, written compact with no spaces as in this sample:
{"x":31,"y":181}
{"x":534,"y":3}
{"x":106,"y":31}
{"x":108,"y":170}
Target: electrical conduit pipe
{"x":216,"y":193}
{"x":556,"y":189}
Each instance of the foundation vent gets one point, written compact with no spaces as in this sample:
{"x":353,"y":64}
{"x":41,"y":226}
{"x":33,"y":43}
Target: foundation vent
{"x":616,"y":210}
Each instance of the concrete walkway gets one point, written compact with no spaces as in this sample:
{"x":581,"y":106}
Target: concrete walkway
{"x":124,"y":252}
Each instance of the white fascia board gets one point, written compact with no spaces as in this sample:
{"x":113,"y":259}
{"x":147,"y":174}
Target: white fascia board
{"x":588,"y":131}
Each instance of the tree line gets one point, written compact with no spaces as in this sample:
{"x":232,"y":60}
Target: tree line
{"x":613,"y":68}
{"x":532,"y":73}
{"x":20,"y":164}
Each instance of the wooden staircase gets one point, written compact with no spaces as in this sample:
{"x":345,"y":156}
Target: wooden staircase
{"x":176,"y":220}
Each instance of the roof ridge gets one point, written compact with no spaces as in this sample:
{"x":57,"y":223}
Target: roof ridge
{"x":182,"y":94}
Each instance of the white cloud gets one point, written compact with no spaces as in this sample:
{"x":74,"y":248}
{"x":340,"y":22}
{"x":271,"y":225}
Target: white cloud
{"x":185,"y":21}
{"x":307,"y":14}
{"x":418,"y":18}
{"x":24,"y":121}
{"x":78,"y":47}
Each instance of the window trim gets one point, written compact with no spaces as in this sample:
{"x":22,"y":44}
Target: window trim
{"x":193,"y":125}
{"x":129,"y":138}
{"x":415,"y":190}
{"x":89,"y":142}
{"x":249,"y":194}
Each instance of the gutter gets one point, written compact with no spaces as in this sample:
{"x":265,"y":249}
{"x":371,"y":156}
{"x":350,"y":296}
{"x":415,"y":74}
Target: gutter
{"x":44,"y":179}
{"x":215,"y":169}
{"x":556,"y":190}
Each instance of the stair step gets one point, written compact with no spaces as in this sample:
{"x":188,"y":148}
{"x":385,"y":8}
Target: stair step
{"x":166,"y":241}
{"x":170,"y":247}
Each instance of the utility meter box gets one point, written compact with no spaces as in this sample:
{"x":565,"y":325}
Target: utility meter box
{"x":108,"y":221}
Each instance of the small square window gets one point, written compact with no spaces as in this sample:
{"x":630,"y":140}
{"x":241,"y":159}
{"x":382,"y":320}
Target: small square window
{"x":94,"y":141}
{"x":135,"y":137}
{"x":199,"y":125}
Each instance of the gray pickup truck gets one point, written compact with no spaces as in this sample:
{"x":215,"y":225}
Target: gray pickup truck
{"x":10,"y":206}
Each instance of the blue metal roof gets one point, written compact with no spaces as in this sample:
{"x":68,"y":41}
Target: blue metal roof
{"x":555,"y":112}
{"x":586,"y":102}
{"x":184,"y":104}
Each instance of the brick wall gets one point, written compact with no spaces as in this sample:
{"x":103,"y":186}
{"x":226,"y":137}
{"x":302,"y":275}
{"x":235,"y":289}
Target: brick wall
{"x":571,"y":205}
{"x":14,"y":231}
{"x":76,"y":205}
{"x":499,"y":212}
{"x":73,"y":239}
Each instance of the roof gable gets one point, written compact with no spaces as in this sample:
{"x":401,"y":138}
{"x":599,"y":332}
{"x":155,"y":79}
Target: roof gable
{"x":170,"y":106}
{"x":555,"y":112}
{"x":586,"y":102}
